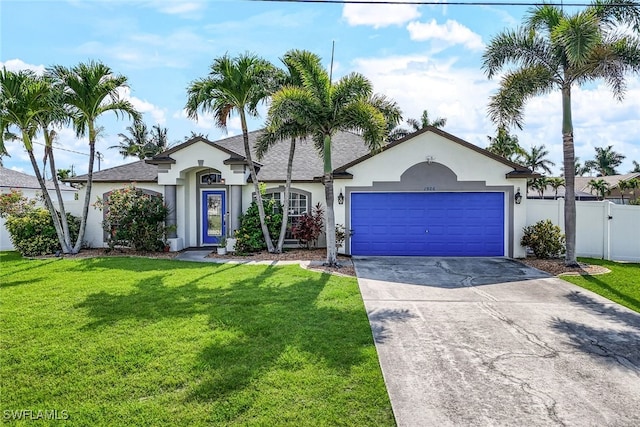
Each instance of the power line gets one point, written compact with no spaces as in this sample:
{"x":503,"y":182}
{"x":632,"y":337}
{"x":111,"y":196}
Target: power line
{"x":62,"y":149}
{"x":441,"y":3}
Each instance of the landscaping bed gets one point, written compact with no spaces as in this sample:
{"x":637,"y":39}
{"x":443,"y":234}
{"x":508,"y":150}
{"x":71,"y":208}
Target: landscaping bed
{"x":556,"y":267}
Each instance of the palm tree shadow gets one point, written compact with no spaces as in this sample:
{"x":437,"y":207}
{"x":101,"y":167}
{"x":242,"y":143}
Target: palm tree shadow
{"x":380,"y":319}
{"x":617,"y":343}
{"x":263,"y":318}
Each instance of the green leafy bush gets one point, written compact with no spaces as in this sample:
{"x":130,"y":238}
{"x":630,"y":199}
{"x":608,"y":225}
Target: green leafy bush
{"x":32,"y":232}
{"x":249,"y":236}
{"x":544,"y":238}
{"x":135,"y":219}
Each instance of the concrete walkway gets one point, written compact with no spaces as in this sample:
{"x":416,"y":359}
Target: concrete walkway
{"x":203,"y":256}
{"x":490,"y":342}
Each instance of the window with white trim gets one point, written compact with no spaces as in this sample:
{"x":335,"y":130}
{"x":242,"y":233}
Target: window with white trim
{"x":299,"y":204}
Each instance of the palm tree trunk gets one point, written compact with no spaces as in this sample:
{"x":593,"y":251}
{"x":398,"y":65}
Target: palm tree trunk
{"x":330,"y":228}
{"x":256,"y":184}
{"x":287,"y":189}
{"x":87,"y":195}
{"x":66,"y":243}
{"x":43,"y":188}
{"x":569,"y":171}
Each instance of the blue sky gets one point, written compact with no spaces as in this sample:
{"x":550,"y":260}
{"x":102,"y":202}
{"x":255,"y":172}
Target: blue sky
{"x":425,"y":57}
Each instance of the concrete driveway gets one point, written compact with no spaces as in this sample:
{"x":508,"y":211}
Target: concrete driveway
{"x":489,"y":341}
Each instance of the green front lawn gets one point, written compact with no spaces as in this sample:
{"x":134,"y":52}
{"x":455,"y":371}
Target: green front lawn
{"x":133,"y":341}
{"x":622,"y":285}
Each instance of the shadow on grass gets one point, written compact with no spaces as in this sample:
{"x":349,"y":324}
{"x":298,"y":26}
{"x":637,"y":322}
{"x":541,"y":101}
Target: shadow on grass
{"x":254,"y":322}
{"x":615,"y":340}
{"x":633,"y":302}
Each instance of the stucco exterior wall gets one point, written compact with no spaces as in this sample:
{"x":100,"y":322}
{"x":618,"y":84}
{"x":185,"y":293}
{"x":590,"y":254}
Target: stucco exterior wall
{"x":94,"y":237}
{"x":471,"y":169}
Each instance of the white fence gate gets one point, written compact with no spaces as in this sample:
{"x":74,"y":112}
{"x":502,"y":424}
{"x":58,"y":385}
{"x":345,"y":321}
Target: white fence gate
{"x":603,"y":229}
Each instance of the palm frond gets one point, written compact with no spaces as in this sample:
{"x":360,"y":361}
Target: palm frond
{"x":578,"y":35}
{"x":506,"y":107}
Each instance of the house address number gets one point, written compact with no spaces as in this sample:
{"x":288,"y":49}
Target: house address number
{"x":429,"y":188}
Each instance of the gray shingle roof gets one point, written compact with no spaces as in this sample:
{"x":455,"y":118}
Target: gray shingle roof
{"x":13,"y":179}
{"x":131,"y":172}
{"x":307,"y":163}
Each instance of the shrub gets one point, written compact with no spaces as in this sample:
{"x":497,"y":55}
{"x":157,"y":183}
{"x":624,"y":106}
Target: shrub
{"x":14,"y":203}
{"x":307,"y":228}
{"x":134,"y":219}
{"x":249,"y":237}
{"x":33,"y":233}
{"x":544,"y":238}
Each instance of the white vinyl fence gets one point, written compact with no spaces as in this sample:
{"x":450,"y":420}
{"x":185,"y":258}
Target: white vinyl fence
{"x":603,"y":229}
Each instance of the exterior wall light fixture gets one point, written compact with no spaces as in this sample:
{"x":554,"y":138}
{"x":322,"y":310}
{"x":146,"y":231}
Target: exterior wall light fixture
{"x":518,"y":197}
{"x":341,"y":198}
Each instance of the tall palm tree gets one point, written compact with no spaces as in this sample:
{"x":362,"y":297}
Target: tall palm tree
{"x":505,"y":145}
{"x":283,"y":128}
{"x":636,"y":167}
{"x":235,"y":85}
{"x":536,"y":159}
{"x":32,"y":104}
{"x":90,"y":90}
{"x":323,"y":108}
{"x":633,"y":184}
{"x":557,"y":50}
{"x":600,"y":186}
{"x":606,"y":161}
{"x":417,"y":124}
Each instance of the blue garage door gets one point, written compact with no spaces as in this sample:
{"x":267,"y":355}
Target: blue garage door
{"x":439,"y":224}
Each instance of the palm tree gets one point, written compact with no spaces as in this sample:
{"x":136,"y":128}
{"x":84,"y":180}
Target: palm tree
{"x":417,"y":124}
{"x":131,"y":145}
{"x":557,"y":50}
{"x":323,"y":108}
{"x":606,"y":161}
{"x":624,"y":186}
{"x":141,"y":143}
{"x":278,"y":130}
{"x":539,"y":184}
{"x":600,"y":186}
{"x":90,"y":90}
{"x":505,"y":145}
{"x":555,"y":183}
{"x":636,"y":167}
{"x":536,"y":159}
{"x":633,"y":184}
{"x":32,"y":104}
{"x":235,"y":85}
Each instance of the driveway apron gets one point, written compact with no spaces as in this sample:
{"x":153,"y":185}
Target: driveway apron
{"x":489,"y":341}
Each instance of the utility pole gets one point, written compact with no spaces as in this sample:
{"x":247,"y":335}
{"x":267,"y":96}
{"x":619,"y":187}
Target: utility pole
{"x":99,"y":156}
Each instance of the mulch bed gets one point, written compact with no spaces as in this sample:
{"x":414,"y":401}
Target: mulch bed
{"x":557,"y":267}
{"x":318,"y":255}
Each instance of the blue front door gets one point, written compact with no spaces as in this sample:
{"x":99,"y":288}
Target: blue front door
{"x":213,"y":216}
{"x":430,"y":224}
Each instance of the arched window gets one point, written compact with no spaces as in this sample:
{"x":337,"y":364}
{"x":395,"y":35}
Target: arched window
{"x":299,"y":204}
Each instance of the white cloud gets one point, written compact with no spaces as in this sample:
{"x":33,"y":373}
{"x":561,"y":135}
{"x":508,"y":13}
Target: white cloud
{"x":451,"y":33}
{"x":157,"y":113}
{"x":381,"y":15}
{"x":18,"y":64}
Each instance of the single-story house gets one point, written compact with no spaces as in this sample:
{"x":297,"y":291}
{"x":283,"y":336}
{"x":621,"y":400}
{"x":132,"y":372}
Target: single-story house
{"x":28,"y":185}
{"x":429,"y":193}
{"x":584,"y":191}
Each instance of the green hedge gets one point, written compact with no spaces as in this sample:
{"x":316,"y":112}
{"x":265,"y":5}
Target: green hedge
{"x":33,"y":233}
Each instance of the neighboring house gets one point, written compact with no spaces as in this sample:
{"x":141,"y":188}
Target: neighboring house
{"x":430,"y":193}
{"x":585,"y":193}
{"x":30,"y":188}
